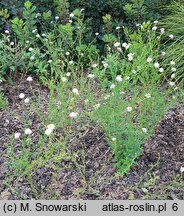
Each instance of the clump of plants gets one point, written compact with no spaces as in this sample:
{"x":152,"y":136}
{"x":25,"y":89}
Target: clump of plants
{"x":125,"y":90}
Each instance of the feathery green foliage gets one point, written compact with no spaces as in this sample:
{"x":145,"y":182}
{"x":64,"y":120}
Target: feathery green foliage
{"x":173,"y":23}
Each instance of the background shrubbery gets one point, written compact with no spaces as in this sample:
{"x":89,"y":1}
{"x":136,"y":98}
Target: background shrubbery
{"x":123,"y":12}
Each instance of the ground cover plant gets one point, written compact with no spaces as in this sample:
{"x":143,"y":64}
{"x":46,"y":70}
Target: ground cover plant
{"x":80,"y":110}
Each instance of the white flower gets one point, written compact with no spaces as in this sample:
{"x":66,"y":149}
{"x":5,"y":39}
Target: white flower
{"x":72,"y":15}
{"x":37,"y":15}
{"x":68,"y":74}
{"x":112,"y":86}
{"x":12,"y":43}
{"x":171,"y":83}
{"x":126,"y":46}
{"x":149,"y":59}
{"x":163,"y":53}
{"x":75,"y":91}
{"x":129,"y":109}
{"x":29,"y":79}
{"x":21,"y":95}
{"x":156,"y":65}
{"x":117,"y":44}
{"x":51,"y":126}
{"x":144,"y":130}
{"x":94,"y":65}
{"x":96,"y":33}
{"x":82,"y":9}
{"x":119,"y":49}
{"x":30,"y":49}
{"x":32,"y":58}
{"x":43,"y":35}
{"x":162,"y":30}
{"x":173,"y":69}
{"x":105,"y":64}
{"x":91,"y":76}
{"x":173,"y":76}
{"x":181,"y":169}
{"x":56,"y":17}
{"x":7,"y":32}
{"x":127,"y":78}
{"x":114,"y":139}
{"x":82,"y":54}
{"x":172,"y":63}
{"x":86,"y":101}
{"x":144,"y":190}
{"x":118,"y":27}
{"x":130,"y":56}
{"x":28,"y":131}
{"x":50,"y":61}
{"x":161,"y":70}
{"x":134,"y":71}
{"x":26,"y":100}
{"x":73,"y":115}
{"x":27,"y":42}
{"x":155,"y":22}
{"x":67,"y":53}
{"x":34,"y":31}
{"x":70,"y":21}
{"x":171,"y":36}
{"x":70,"y":62}
{"x":17,"y":135}
{"x":48,"y":131}
{"x":63,"y":79}
{"x":96,"y":106}
{"x":38,"y":36}
{"x":119,"y":78}
{"x":154,"y":28}
{"x":106,"y":97}
{"x":148,"y":95}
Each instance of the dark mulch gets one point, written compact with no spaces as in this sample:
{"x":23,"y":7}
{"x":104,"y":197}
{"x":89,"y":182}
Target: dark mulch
{"x":156,"y":174}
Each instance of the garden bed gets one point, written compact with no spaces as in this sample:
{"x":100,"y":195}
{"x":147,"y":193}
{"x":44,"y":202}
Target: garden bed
{"x":156,"y":174}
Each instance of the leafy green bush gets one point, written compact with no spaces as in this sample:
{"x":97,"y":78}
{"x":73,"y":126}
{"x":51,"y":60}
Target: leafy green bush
{"x":123,"y":13}
{"x":13,"y":57}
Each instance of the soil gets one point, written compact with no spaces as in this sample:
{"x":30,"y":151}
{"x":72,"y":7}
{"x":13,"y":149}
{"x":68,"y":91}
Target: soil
{"x":156,"y":174}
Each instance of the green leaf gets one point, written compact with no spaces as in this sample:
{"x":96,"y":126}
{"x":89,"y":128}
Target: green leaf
{"x":27,"y":4}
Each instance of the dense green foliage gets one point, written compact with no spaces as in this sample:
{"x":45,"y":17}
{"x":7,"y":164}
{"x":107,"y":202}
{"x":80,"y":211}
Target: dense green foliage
{"x":173,"y":23}
{"x":123,"y":12}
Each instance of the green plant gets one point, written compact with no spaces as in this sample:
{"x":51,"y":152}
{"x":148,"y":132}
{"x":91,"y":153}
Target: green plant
{"x":14,"y":57}
{"x":175,"y":40}
{"x":124,"y":90}
{"x":23,"y":27}
{"x":3,"y":101}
